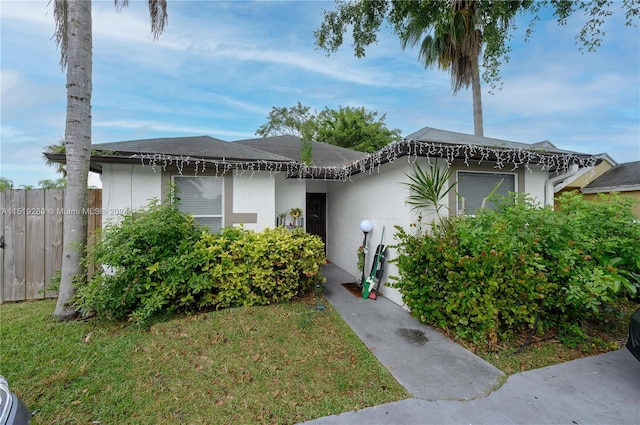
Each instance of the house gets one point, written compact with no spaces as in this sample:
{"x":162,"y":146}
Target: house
{"x":583,"y":176}
{"x":622,"y":178}
{"x":253,"y":181}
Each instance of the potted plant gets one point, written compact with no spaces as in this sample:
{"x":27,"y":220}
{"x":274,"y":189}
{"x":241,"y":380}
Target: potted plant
{"x":296,"y":213}
{"x":280,"y":219}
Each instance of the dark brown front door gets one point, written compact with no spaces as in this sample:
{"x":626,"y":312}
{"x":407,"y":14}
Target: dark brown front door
{"x":317,"y":215}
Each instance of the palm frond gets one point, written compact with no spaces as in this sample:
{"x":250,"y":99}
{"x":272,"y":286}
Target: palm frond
{"x":426,"y":190}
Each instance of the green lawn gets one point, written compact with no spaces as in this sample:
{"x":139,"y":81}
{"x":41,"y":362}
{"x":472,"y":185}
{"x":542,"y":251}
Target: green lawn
{"x":276,"y":364}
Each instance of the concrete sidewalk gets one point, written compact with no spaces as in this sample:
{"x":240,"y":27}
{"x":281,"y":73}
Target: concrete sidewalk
{"x":451,"y":385}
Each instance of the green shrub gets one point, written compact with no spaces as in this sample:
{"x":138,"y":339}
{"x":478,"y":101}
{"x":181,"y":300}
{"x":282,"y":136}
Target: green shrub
{"x":246,"y":268}
{"x":158,"y":261}
{"x":487,"y":278}
{"x":130,"y":258}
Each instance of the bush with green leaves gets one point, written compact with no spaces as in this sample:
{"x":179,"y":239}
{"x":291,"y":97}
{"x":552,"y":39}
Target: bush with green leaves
{"x":131,"y":255}
{"x":158,"y":261}
{"x":245,"y":268}
{"x":489,"y":277}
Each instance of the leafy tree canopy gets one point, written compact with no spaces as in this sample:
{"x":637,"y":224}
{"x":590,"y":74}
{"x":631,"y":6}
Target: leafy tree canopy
{"x":285,"y":121}
{"x":352,"y":128}
{"x":365,"y":18}
{"x":355,"y":128}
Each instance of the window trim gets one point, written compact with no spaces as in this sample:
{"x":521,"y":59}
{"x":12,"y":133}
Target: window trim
{"x":221,"y":180}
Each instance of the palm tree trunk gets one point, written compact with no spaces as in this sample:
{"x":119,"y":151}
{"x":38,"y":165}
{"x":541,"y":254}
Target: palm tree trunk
{"x":78,"y":152}
{"x":477,"y":98}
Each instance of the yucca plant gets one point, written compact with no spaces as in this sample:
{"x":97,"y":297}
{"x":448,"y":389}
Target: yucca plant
{"x":428,"y":189}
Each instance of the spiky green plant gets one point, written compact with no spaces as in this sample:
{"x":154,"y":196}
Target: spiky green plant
{"x":428,"y":189}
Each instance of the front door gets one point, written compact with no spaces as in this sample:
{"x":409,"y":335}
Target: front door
{"x":317,"y":215}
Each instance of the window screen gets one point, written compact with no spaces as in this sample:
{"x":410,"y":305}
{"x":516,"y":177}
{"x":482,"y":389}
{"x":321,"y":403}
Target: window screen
{"x":202,"y":197}
{"x":474,"y":187}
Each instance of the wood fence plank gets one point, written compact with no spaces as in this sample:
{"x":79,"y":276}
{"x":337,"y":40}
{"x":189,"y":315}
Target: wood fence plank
{"x":94,"y":221}
{"x":2,"y":215}
{"x":15,"y":240}
{"x":32,"y":225}
{"x":35,"y":250}
{"x":54,"y":203}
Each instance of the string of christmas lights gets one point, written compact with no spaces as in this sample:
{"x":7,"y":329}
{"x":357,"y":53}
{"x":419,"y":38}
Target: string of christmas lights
{"x":501,"y":157}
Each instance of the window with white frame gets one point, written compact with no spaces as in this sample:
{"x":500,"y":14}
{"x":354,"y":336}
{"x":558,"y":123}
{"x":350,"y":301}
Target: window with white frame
{"x":474,"y":186}
{"x":203,"y":198}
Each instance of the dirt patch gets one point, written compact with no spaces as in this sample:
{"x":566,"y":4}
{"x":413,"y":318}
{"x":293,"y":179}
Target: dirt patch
{"x":357,"y":290}
{"x":353,"y":288}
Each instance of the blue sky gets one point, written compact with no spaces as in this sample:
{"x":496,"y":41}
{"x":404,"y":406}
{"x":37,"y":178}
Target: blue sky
{"x":220,"y":67}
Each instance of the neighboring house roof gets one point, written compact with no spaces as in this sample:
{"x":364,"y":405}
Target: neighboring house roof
{"x":621,"y":178}
{"x":586,"y":175}
{"x":323,"y":154}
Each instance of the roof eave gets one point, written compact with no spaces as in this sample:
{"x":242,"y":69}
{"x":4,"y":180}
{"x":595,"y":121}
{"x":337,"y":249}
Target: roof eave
{"x":471,"y":153}
{"x":609,"y":189}
{"x":61,"y":158}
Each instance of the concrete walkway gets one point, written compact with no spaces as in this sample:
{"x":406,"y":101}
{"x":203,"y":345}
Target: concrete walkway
{"x":451,"y":385}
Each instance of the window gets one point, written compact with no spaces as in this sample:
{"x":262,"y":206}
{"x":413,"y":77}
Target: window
{"x":473,"y":187}
{"x":203,"y":198}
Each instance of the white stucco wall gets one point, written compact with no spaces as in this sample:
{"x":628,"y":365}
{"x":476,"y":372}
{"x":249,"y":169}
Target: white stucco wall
{"x":317,"y":186}
{"x":534,"y":182}
{"x":290,"y":193}
{"x":255,"y":193}
{"x":377,"y":197}
{"x":127,"y":187}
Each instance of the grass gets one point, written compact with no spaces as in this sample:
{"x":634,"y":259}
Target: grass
{"x":547,"y":349}
{"x":282,"y":363}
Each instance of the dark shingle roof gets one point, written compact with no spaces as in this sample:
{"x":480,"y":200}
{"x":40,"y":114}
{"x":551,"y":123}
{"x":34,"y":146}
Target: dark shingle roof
{"x":428,"y":134}
{"x":195,"y":147}
{"x":622,"y":177}
{"x":282,"y":153}
{"x":323,"y":154}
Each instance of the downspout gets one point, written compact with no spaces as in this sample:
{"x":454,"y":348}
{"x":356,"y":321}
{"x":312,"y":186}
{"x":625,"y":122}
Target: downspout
{"x":550,"y":184}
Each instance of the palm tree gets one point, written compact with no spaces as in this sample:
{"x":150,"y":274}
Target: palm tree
{"x":73,"y":36}
{"x":454,"y":46}
{"x":5,"y":183}
{"x":60,"y":183}
{"x":58,"y":148}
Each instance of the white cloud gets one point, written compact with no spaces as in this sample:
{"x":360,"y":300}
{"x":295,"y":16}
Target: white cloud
{"x":220,"y":67}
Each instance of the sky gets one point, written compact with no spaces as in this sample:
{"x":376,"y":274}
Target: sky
{"x":220,"y":67}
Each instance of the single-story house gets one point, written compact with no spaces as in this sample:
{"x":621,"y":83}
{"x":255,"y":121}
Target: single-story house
{"x":622,"y":178}
{"x":254,"y":181}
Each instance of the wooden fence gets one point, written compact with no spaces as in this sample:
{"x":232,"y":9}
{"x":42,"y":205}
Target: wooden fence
{"x":31,"y":230}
